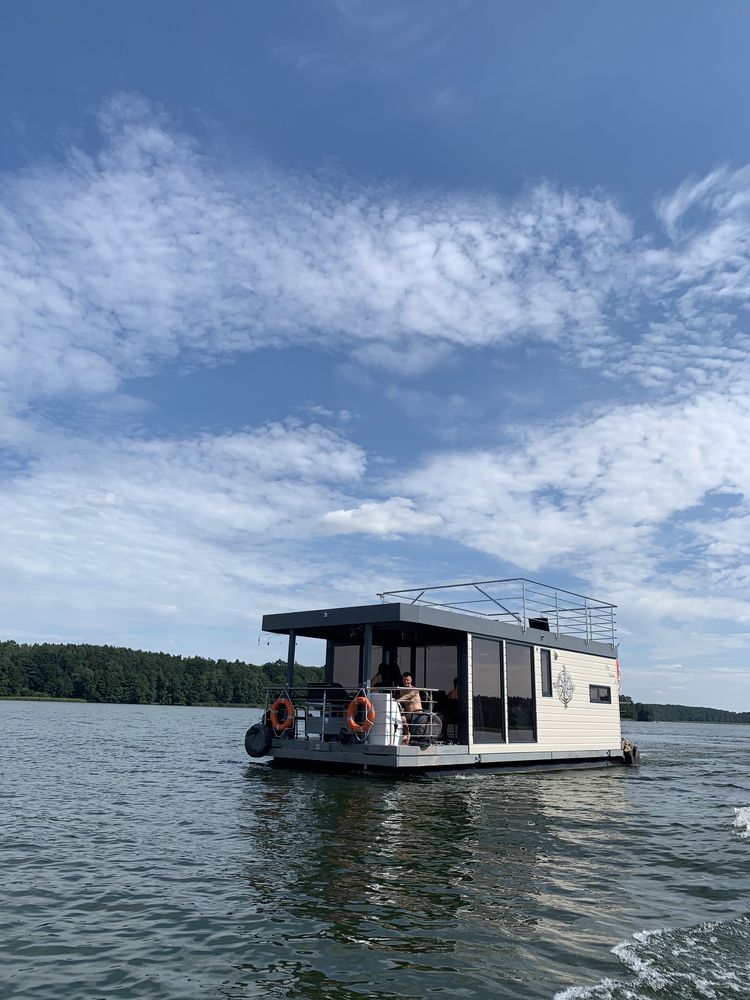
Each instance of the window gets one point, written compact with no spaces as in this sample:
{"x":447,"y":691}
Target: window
{"x":521,"y":701}
{"x":346,"y":665}
{"x":487,"y":672}
{"x":600,"y":694}
{"x":435,"y":666}
{"x":546,"y":673}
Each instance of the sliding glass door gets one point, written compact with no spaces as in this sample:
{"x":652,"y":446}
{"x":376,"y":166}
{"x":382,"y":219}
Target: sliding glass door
{"x":487,"y":687}
{"x":521,"y":694}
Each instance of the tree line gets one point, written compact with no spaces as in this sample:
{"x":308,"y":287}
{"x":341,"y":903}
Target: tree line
{"x":118,"y":674}
{"x":642,"y":712}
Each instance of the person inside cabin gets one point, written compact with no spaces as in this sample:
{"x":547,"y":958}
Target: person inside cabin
{"x":393,"y":677}
{"x":377,"y":681}
{"x":388,"y":676}
{"x":450,"y":709}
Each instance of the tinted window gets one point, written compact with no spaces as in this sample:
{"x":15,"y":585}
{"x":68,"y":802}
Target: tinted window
{"x":487,"y":681}
{"x":521,"y":702}
{"x":546,"y":673}
{"x":404,"y":661}
{"x":346,"y":665}
{"x":600,"y":693}
{"x":441,"y":667}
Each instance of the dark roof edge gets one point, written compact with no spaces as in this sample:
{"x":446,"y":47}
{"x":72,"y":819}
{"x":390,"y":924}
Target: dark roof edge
{"x":302,"y":621}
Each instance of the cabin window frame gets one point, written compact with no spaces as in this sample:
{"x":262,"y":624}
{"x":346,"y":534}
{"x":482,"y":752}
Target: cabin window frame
{"x":338,"y":644}
{"x":545,"y":665}
{"x":503,"y":680}
{"x":599,"y":700}
{"x":533,"y":698}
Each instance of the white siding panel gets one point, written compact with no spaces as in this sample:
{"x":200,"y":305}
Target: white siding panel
{"x":583,"y":725}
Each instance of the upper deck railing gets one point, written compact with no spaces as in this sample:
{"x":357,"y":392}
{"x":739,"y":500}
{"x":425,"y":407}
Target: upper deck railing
{"x":522,"y":602}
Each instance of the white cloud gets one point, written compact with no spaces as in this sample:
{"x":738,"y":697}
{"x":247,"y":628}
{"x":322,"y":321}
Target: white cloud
{"x":147,"y":253}
{"x":322,"y":412}
{"x":698,"y":286}
{"x":672,"y":208}
{"x":115,"y":535}
{"x":112,"y":264}
{"x":397,"y":516}
{"x":602,"y":499}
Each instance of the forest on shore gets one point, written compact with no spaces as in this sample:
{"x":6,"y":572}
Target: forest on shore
{"x":131,"y":676}
{"x":642,"y":712}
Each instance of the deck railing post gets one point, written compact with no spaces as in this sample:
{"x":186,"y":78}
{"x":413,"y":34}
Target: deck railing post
{"x":290,"y":658}
{"x":523,"y":601}
{"x":557,"y":614}
{"x":586,"y":619}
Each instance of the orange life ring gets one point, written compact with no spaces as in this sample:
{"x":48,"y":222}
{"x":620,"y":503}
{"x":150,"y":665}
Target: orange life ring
{"x":288,"y":720}
{"x":351,"y":713}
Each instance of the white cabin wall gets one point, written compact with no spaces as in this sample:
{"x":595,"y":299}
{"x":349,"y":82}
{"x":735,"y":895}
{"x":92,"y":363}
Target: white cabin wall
{"x":583,"y":725}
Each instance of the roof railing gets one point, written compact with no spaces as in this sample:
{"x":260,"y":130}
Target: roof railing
{"x":520,"y":601}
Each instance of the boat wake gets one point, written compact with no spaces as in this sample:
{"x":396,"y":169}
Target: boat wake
{"x":742,"y":821}
{"x":710,"y":961}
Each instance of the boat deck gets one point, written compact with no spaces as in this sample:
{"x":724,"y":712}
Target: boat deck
{"x":413,"y":758}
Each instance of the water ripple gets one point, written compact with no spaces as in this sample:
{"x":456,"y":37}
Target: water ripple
{"x":143,"y":856}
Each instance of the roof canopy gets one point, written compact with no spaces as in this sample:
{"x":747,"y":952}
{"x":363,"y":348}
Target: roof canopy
{"x":417,"y":621}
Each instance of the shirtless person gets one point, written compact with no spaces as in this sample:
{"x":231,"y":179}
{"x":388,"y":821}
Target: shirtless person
{"x":411,"y":701}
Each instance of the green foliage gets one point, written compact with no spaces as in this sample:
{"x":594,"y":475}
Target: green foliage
{"x":677,"y":713}
{"x":116,"y":674}
{"x":627,"y":708}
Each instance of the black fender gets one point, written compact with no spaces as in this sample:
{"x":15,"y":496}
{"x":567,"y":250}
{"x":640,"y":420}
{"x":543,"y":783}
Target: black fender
{"x":258,"y":740}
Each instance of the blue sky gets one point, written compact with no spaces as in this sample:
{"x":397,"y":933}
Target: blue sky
{"x":304,"y":301}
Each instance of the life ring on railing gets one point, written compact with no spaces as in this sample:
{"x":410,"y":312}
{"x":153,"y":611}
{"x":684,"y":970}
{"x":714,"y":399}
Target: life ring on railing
{"x":281,"y":725}
{"x":361,"y":701}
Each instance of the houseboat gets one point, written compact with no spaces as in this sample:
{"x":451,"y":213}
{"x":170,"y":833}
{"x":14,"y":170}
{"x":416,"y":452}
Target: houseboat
{"x":490,"y":674}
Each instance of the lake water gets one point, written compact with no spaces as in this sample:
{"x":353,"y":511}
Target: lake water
{"x":143,"y":855}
